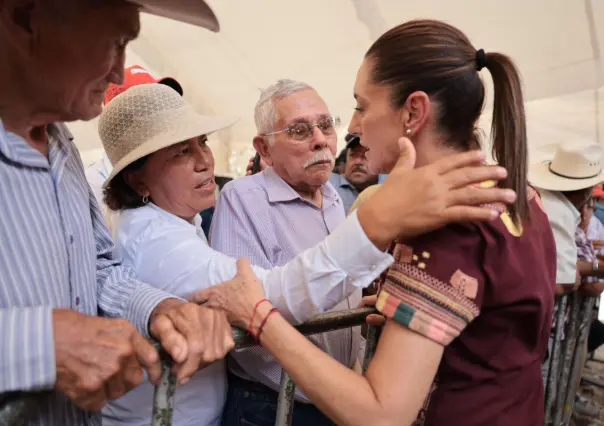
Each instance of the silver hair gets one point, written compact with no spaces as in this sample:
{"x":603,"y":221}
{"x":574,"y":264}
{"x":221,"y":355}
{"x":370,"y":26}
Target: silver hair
{"x":265,"y":113}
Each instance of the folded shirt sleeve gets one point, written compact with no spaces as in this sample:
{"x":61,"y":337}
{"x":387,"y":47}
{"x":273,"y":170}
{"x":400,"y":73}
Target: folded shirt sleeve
{"x":436,"y":285}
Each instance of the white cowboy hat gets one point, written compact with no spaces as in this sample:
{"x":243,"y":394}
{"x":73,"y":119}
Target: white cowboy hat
{"x":195,"y":12}
{"x":147,"y":118}
{"x":573,"y":167}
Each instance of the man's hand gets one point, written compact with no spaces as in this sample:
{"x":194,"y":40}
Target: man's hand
{"x":99,"y":359}
{"x":193,"y":335}
{"x":415,"y":201}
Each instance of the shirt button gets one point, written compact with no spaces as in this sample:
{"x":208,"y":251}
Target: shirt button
{"x":77,"y":301}
{"x":373,"y":267}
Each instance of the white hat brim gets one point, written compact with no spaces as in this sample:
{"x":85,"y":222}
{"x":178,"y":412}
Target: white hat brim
{"x":191,"y":126}
{"x":194,"y":12}
{"x":541,"y":177}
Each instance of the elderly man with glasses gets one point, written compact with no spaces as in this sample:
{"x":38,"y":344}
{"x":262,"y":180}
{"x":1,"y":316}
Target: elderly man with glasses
{"x":272,"y":216}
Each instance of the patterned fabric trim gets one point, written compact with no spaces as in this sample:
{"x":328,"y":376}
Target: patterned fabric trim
{"x":424,"y":304}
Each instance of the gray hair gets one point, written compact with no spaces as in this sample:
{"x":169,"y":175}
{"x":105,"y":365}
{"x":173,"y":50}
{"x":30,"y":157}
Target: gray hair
{"x":265,"y":113}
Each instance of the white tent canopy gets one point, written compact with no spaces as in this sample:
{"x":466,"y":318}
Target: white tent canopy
{"x":555,"y":43}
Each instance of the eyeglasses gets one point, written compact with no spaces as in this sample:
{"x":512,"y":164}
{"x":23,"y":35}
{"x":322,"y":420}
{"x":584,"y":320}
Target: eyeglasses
{"x":301,"y":132}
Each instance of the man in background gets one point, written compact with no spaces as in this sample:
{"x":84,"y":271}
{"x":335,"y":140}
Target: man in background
{"x":356,"y":176}
{"x":566,"y":184}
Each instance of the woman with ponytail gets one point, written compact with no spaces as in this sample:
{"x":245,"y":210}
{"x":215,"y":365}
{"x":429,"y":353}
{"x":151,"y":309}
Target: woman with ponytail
{"x":468,"y":307}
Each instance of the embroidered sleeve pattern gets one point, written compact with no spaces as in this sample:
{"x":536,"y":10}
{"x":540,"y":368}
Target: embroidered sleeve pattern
{"x":433,"y":292}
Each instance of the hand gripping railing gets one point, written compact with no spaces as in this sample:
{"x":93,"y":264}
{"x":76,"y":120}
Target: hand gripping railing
{"x":14,"y":408}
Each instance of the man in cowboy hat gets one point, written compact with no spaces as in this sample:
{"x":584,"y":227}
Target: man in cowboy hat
{"x":566,"y":184}
{"x":72,"y":318}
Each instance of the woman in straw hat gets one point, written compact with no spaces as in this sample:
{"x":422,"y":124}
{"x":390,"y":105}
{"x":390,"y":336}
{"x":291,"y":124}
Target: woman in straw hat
{"x":163,"y":176}
{"x":468,"y":307}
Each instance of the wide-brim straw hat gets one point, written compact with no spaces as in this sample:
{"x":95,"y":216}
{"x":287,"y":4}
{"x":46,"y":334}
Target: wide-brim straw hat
{"x":147,"y":118}
{"x":574,"y":167}
{"x":195,"y":12}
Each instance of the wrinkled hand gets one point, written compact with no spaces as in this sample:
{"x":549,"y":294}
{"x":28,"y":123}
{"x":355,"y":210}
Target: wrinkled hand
{"x":193,"y":335}
{"x":373,"y":319}
{"x":250,"y":166}
{"x":236,"y":297}
{"x":99,"y":359}
{"x":415,"y":201}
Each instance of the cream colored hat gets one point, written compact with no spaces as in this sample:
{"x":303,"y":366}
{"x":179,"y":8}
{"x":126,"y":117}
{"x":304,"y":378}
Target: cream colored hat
{"x":573,"y":167}
{"x":195,"y":12}
{"x":147,"y":118}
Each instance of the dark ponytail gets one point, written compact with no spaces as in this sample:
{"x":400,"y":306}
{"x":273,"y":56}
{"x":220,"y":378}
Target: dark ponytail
{"x":508,"y":130}
{"x":438,"y":59}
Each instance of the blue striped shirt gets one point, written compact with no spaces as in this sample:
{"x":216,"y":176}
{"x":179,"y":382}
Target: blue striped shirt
{"x":56,"y":253}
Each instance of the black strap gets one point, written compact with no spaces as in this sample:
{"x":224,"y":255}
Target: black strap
{"x":481,"y":59}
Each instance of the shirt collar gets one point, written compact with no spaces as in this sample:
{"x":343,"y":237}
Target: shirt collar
{"x":16,"y":149}
{"x":279,"y":191}
{"x":570,"y":206}
{"x":172,"y":218}
{"x":341,"y":181}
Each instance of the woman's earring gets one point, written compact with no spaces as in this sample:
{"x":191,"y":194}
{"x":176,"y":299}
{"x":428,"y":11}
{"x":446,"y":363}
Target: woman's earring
{"x":409,"y":132}
{"x":145,"y":199}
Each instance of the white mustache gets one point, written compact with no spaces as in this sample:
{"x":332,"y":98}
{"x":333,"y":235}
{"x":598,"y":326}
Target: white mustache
{"x":320,"y":157}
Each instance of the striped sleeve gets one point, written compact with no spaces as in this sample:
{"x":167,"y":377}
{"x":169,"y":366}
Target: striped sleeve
{"x":26,"y":349}
{"x":120,"y":294}
{"x":436,"y":284}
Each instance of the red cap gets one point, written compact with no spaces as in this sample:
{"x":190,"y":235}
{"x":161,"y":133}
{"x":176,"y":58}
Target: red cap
{"x":135,"y":75}
{"x":598,"y":191}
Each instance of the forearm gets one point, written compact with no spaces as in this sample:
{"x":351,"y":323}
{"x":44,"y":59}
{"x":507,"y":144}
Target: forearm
{"x":588,"y":269}
{"x":27,"y":349}
{"x":321,"y":277}
{"x":342,"y":394}
{"x":376,"y":231}
{"x":121,"y":295}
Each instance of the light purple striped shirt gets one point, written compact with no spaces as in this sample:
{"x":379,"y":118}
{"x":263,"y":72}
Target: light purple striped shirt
{"x":56,"y":253}
{"x":264,"y":219}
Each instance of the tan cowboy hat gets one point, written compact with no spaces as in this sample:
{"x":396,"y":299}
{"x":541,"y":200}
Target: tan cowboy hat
{"x":195,"y":12}
{"x":573,"y":167}
{"x":147,"y":118}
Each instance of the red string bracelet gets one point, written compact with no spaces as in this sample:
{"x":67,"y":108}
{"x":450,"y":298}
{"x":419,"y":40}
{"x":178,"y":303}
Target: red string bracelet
{"x":249,"y":329}
{"x":257,"y":336}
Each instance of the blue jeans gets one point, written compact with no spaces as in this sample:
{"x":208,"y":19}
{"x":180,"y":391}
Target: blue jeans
{"x":253,"y":404}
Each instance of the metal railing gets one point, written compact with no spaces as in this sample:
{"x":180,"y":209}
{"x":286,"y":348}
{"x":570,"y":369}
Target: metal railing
{"x":14,"y":408}
{"x":562,"y":370}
